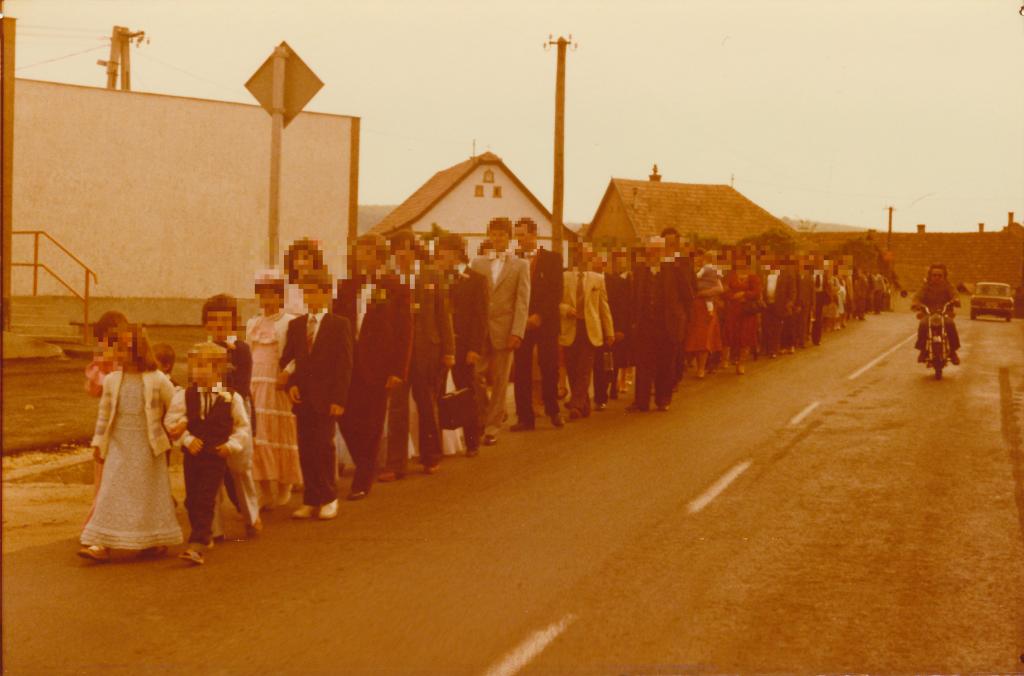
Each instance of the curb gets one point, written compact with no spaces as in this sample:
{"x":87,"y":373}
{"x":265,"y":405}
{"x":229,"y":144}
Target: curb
{"x":74,"y":468}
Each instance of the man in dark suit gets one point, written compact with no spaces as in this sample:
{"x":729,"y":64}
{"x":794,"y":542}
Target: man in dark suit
{"x":618,"y":283}
{"x":659,"y":321}
{"x":677,"y":254}
{"x":379,"y":309}
{"x":804,"y":302}
{"x":320,"y":343}
{"x":542,"y":326}
{"x":433,"y":352}
{"x":467,"y":290}
{"x":780,"y":298}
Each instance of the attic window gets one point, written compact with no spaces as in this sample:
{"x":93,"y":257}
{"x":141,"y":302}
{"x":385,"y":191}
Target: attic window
{"x":478,"y":191}
{"x":488,"y":176}
{"x":497,"y":191}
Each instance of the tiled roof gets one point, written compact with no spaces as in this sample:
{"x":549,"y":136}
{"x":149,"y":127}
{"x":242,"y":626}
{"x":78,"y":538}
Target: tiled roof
{"x":443,"y":182}
{"x":711,"y":210}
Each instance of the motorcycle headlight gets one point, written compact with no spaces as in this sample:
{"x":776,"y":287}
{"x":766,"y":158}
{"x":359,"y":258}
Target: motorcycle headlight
{"x":936,"y":320}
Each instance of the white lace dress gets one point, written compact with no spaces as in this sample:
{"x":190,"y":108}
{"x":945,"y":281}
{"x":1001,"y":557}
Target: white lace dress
{"x":134,"y":508}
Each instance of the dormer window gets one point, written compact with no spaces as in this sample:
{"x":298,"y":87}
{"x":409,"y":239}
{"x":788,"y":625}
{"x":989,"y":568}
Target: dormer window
{"x":478,"y":191}
{"x":496,"y":191}
{"x":488,"y":176}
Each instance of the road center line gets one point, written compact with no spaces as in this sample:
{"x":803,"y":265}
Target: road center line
{"x":716,"y":488}
{"x":799,"y":417}
{"x":521,"y":655}
{"x":863,"y":369}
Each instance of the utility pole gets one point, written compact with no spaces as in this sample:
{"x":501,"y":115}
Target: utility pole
{"x":888,"y":239}
{"x":558,"y":194}
{"x":121,"y":57}
{"x":7,"y":152}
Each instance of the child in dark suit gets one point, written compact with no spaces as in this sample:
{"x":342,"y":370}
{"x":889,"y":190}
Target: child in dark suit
{"x":216,"y":427}
{"x":320,"y":343}
{"x":220,"y":318}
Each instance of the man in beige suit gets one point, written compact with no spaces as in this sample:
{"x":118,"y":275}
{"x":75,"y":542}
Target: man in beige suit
{"x":586,"y":325}
{"x":508,"y":279}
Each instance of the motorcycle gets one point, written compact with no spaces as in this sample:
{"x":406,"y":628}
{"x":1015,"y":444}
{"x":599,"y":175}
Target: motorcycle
{"x":936,"y":346}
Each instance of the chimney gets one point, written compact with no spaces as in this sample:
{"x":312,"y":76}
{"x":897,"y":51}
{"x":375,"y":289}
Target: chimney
{"x":920,"y":228}
{"x":1009,"y":219}
{"x":655,"y":177}
{"x":981,"y":227}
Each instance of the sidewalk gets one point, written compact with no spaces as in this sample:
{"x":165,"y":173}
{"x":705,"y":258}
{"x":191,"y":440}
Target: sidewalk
{"x":45,"y":404}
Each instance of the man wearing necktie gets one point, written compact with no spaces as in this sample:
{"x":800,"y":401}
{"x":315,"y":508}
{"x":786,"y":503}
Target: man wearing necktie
{"x":320,"y":343}
{"x":542,"y":329}
{"x":508,"y":280}
{"x":586,"y":325}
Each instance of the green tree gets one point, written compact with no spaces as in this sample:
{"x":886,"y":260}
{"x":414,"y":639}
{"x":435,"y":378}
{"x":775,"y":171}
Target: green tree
{"x":777,"y":240}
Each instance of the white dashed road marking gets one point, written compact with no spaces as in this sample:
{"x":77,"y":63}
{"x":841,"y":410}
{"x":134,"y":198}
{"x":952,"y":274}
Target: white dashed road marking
{"x":716,"y":488}
{"x":530,"y":648}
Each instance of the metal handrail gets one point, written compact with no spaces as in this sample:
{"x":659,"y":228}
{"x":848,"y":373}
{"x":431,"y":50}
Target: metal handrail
{"x":35,"y":265}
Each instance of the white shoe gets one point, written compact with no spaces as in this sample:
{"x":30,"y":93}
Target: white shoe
{"x":283,"y":497}
{"x":329,"y":511}
{"x":304,"y":512}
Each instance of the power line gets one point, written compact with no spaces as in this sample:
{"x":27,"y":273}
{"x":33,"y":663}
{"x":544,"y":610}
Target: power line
{"x":150,"y":57}
{"x":60,"y":58}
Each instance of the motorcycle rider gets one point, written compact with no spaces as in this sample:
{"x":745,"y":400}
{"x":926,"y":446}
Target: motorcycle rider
{"x":936,"y":292}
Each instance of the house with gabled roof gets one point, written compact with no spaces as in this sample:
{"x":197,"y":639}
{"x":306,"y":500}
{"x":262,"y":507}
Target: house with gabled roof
{"x":632,"y":210}
{"x":465,"y":197}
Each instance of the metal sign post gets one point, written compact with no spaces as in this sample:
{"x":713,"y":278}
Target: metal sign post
{"x":283,"y":85}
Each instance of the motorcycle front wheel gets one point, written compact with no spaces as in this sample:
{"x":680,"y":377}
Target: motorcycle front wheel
{"x":938,"y":365}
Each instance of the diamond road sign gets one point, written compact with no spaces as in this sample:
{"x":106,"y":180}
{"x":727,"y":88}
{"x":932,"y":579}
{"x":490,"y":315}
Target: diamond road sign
{"x":300,"y":84}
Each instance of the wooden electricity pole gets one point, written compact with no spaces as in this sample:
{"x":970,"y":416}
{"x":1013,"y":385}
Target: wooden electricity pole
{"x":888,"y":239}
{"x":558,"y":194}
{"x":121,"y":56}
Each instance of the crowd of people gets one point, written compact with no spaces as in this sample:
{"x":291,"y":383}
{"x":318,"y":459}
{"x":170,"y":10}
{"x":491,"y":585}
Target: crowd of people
{"x":425,"y":336}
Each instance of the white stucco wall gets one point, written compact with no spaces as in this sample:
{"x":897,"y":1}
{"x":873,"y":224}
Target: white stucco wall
{"x":166,"y":197}
{"x":459,"y":211}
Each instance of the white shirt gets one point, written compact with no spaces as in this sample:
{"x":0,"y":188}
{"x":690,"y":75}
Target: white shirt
{"x":362,"y":302}
{"x":771,"y":281}
{"x":496,"y":266}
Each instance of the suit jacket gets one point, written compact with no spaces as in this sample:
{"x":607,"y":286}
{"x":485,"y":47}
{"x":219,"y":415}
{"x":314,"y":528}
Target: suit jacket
{"x":432,"y":333}
{"x":468,"y":293}
{"x":509,"y":298}
{"x":785,"y":293}
{"x":595,"y":312}
{"x":546,"y":289}
{"x":675,"y":307}
{"x":619,"y":290}
{"x":322,"y":374}
{"x":805,"y":291}
{"x":383,"y":343}
{"x":157,"y":394}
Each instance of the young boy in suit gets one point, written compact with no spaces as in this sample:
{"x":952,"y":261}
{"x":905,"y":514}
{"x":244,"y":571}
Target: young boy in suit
{"x":220,"y":318}
{"x":320,"y":343}
{"x":216,"y":426}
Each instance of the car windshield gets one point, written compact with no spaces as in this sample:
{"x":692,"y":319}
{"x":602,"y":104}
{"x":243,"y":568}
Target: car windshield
{"x":992,"y":290}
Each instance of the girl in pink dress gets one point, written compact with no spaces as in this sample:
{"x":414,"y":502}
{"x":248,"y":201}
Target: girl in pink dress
{"x":275,"y":447}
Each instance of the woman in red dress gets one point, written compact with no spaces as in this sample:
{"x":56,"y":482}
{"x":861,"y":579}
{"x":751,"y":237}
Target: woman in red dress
{"x":742,"y":293}
{"x":703,"y":334}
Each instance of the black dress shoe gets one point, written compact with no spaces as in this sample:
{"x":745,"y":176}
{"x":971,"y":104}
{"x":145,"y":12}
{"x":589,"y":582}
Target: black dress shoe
{"x":600,"y":407}
{"x":356,"y":495}
{"x":955,"y":358}
{"x":662,"y":407}
{"x":472,"y":452}
{"x":490,"y":440}
{"x":557,"y":421}
{"x":633,"y":408}
{"x":523,"y":427}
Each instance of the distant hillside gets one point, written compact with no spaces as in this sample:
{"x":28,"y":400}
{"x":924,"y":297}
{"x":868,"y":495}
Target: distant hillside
{"x":372,"y":214}
{"x":804,"y":225}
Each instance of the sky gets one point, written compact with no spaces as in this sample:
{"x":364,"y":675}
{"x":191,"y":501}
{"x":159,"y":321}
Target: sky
{"x":828,"y":110}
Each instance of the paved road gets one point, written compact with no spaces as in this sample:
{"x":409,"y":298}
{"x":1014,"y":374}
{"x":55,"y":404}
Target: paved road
{"x":879,"y":532}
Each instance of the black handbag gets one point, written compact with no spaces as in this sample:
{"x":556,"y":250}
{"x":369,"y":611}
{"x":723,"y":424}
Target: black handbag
{"x":455,"y":408}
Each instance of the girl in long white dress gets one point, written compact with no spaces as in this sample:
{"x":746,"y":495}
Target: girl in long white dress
{"x":134,"y":509}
